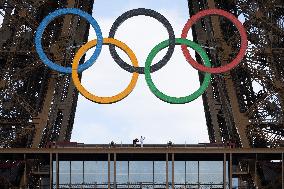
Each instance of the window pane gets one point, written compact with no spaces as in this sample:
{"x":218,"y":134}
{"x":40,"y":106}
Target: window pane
{"x":141,"y":171}
{"x":54,"y":172}
{"x":96,"y":172}
{"x":64,"y":172}
{"x":160,"y":172}
{"x":76,"y":172}
{"x":121,"y":172}
{"x":90,"y":172}
{"x":170,"y":173}
{"x":179,"y":172}
{"x":211,"y":172}
{"x":192,"y":172}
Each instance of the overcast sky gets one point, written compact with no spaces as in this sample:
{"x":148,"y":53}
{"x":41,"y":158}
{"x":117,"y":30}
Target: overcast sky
{"x":141,"y":113}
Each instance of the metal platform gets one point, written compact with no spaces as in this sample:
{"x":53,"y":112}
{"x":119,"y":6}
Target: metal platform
{"x":236,"y":162}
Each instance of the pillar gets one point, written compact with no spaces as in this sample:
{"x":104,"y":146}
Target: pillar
{"x":282,"y":171}
{"x":108,"y":170}
{"x":83,"y":172}
{"x":25,"y":171}
{"x":70,"y":173}
{"x":114,"y":170}
{"x":50,"y":171}
{"x":57,"y":171}
{"x":173,"y":171}
{"x":198,"y":179}
{"x":224,"y":170}
{"x":153,"y":166}
{"x":128,"y":174}
{"x":231,"y":171}
{"x":255,"y":170}
{"x":167,"y":171}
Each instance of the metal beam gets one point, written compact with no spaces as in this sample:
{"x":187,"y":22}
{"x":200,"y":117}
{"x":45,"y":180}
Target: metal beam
{"x":231,"y":172}
{"x":150,"y":150}
{"x":167,"y":171}
{"x":224,"y":170}
{"x":108,"y":170}
{"x":282,"y":171}
{"x":173,"y":171}
{"x":50,"y":171}
{"x":198,"y":174}
{"x":25,"y":171}
{"x":57,"y":171}
{"x":114,"y":170}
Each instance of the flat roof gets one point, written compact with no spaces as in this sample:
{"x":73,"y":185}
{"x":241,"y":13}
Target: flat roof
{"x":152,"y":150}
{"x":140,"y":153}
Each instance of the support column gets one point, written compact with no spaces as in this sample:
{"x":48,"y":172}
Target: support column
{"x":114,"y":170}
{"x":70,"y":173}
{"x":224,"y":170}
{"x":25,"y":171}
{"x":255,"y":171}
{"x":108,"y":170}
{"x":153,"y":174}
{"x":231,"y":170}
{"x":184,"y":174}
{"x":198,"y":180}
{"x":173,"y":171}
{"x":128,"y":174}
{"x":50,"y":171}
{"x":57,"y":171}
{"x":83,"y":172}
{"x":167,"y":171}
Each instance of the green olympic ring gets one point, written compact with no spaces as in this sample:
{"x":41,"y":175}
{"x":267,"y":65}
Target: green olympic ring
{"x":177,"y":100}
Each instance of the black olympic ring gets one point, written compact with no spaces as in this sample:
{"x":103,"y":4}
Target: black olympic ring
{"x":150,"y":13}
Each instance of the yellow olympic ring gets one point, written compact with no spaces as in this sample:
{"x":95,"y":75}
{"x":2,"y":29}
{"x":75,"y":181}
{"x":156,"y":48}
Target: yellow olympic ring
{"x":92,"y":97}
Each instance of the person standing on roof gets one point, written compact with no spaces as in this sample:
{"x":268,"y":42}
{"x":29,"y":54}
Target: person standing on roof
{"x":135,"y":142}
{"x":142,"y":140}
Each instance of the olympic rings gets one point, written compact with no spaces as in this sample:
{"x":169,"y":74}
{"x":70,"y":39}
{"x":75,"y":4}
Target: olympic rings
{"x":135,"y":69}
{"x":94,"y":98}
{"x":240,"y":27}
{"x":179,"y":100}
{"x":44,"y":24}
{"x":145,"y":12}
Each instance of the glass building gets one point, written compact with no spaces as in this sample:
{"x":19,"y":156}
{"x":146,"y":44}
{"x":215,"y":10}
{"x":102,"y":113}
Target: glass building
{"x":160,"y":171}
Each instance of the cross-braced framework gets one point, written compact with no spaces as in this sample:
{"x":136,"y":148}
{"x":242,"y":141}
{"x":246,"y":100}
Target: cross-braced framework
{"x":37,"y":105}
{"x":245,"y":105}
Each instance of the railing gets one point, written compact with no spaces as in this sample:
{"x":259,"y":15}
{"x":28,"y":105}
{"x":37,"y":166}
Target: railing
{"x":81,"y":145}
{"x":143,"y":185}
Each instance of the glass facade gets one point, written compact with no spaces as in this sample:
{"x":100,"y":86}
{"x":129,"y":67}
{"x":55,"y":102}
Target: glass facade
{"x":159,"y":171}
{"x":141,"y":171}
{"x":82,"y":172}
{"x":191,"y":175}
{"x":147,"y":173}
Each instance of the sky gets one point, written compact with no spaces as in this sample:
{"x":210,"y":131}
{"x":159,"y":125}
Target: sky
{"x":1,"y":17}
{"x":141,"y":113}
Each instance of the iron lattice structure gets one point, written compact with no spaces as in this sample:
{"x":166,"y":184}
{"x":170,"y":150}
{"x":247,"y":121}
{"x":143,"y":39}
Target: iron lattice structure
{"x":245,"y":105}
{"x":37,"y":105}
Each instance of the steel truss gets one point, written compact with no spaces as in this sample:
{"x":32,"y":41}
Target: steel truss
{"x":37,"y":105}
{"x":245,"y":105}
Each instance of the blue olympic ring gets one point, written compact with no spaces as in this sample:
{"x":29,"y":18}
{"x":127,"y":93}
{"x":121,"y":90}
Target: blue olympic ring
{"x":44,"y":24}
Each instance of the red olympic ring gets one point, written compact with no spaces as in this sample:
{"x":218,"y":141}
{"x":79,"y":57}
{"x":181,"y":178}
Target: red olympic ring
{"x":238,"y":24}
